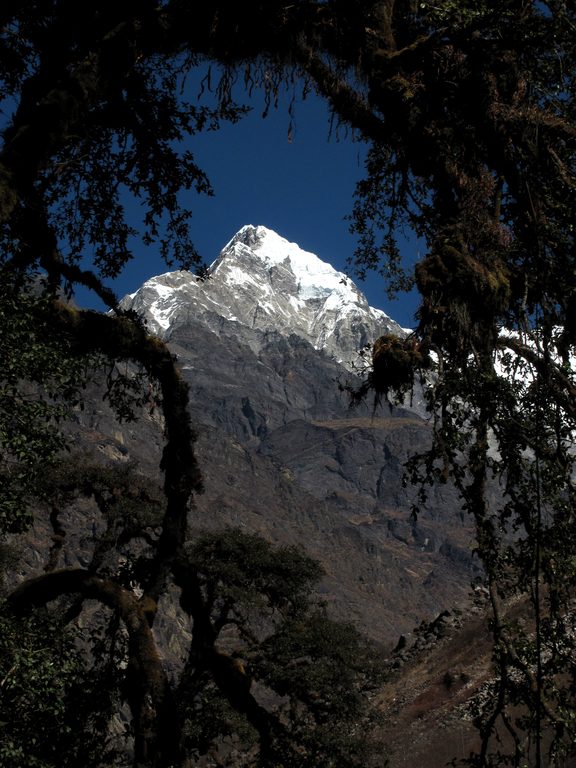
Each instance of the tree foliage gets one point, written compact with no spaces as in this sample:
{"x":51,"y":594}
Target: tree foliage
{"x":53,"y":707}
{"x":314,"y":674}
{"x":469,"y":111}
{"x":41,"y":381}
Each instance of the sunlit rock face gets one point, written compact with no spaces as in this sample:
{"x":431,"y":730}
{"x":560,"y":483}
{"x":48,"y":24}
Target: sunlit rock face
{"x":263,"y":282}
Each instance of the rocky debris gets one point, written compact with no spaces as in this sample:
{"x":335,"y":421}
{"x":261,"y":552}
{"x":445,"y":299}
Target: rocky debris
{"x":426,"y":636}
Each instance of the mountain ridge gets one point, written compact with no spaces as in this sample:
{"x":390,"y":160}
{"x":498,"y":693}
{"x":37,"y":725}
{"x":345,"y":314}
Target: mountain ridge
{"x":263,"y":281}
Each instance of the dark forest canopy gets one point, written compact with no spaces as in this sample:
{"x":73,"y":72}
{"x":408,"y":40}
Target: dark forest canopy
{"x":469,"y":111}
{"x":468,"y":108}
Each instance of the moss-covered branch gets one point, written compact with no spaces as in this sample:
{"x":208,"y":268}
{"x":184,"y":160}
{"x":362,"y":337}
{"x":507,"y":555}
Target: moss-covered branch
{"x":157,"y":736}
{"x":123,"y":337}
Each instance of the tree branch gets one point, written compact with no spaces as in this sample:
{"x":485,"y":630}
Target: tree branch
{"x":124,"y":337}
{"x":561,"y":386}
{"x":150,"y":696}
{"x":344,"y":99}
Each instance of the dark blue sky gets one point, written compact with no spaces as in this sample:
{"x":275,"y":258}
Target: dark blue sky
{"x":300,"y":186}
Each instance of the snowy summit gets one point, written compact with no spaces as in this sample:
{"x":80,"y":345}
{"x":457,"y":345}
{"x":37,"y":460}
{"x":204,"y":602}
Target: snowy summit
{"x":265,"y":282}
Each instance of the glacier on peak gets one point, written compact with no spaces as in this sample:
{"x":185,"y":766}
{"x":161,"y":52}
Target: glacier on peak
{"x":263,"y":281}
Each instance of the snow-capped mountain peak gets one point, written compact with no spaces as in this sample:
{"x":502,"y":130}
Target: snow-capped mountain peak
{"x":265,"y":282}
{"x":315,"y":278}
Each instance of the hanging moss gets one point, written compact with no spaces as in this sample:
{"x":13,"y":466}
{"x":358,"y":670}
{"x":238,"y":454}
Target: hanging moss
{"x":395,"y":362}
{"x":462,"y":296}
{"x":456,"y":275}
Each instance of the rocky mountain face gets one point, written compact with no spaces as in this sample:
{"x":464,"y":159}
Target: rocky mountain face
{"x":264,"y":342}
{"x":262,"y":282}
